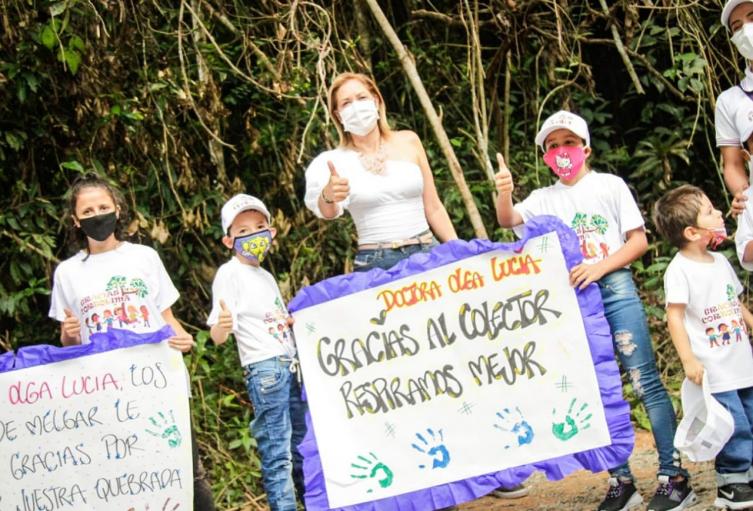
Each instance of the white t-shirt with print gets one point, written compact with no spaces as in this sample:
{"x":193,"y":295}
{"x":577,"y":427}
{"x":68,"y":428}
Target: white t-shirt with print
{"x":733,"y":116}
{"x":125,"y":288}
{"x":259,"y":313}
{"x":599,"y":208}
{"x":713,"y":318}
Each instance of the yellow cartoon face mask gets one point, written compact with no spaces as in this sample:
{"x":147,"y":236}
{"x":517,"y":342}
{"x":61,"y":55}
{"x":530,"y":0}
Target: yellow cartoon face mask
{"x":255,"y":246}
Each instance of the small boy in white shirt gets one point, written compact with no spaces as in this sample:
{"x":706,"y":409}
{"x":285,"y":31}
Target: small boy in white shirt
{"x":702,"y":302}
{"x":602,"y":212}
{"x":246,"y":302}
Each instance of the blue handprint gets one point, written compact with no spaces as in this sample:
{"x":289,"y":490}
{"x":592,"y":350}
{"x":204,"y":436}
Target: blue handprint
{"x":515,"y":426}
{"x":433,"y":447}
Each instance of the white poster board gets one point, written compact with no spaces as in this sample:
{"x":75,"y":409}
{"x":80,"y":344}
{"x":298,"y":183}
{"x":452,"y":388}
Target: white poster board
{"x":462,"y":370}
{"x":108,"y":431}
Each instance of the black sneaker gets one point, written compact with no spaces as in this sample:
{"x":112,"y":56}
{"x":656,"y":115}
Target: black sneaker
{"x":622,"y":495}
{"x":672,"y":495}
{"x":734,"y":496}
{"x":516,"y":492}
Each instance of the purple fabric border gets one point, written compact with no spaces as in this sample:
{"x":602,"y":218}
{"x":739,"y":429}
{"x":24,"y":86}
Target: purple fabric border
{"x":113,"y":339}
{"x":597,"y":329}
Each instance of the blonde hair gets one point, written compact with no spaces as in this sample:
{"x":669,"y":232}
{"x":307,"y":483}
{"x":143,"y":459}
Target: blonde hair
{"x":345,"y":138}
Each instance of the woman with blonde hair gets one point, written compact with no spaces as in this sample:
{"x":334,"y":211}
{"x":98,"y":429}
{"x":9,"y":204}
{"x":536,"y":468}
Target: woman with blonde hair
{"x":382,"y":177}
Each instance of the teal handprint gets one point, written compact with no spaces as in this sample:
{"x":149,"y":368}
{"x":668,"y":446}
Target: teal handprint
{"x":572,"y":424}
{"x":372,"y":469}
{"x":169,"y":430}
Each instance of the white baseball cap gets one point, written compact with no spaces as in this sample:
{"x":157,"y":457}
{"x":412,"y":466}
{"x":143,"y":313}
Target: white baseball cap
{"x":728,"y":8}
{"x":563,"y":120}
{"x":706,"y":425}
{"x":238,"y":204}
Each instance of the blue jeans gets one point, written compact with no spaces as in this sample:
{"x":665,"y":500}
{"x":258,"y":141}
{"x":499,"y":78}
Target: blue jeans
{"x":386,"y":258}
{"x":733,"y":463}
{"x":278,"y":427}
{"x":632,"y":343}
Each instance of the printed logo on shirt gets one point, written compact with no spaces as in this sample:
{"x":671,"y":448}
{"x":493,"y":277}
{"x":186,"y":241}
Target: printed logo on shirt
{"x":724,"y":322}
{"x":277,"y":324}
{"x":591,"y":230}
{"x":724,"y":333}
{"x":122,"y":305}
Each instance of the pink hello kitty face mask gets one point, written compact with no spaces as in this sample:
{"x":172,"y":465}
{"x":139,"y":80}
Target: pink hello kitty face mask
{"x":565,"y":161}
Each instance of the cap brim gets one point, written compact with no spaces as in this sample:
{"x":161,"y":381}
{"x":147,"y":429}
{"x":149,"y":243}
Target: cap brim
{"x":728,"y":8}
{"x":541,"y":135}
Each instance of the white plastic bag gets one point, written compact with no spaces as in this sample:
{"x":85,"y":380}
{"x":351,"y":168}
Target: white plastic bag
{"x":706,"y":425}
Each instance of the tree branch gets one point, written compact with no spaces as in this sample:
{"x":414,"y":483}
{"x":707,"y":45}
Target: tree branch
{"x":409,"y":67}
{"x":621,"y":50}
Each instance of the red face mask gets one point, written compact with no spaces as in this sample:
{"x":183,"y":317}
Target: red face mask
{"x":565,"y":161}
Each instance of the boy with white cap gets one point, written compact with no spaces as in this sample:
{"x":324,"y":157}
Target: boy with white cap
{"x":246,"y":302}
{"x":734,"y":106}
{"x":602,"y":212}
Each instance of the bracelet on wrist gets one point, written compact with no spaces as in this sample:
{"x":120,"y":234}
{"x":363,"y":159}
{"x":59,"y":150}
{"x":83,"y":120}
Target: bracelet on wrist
{"x":325,"y":199}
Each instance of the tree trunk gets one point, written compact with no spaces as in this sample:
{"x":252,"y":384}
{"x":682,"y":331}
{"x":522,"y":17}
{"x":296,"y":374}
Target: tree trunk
{"x":409,"y":67}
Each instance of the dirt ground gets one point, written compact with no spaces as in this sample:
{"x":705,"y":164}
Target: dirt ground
{"x":584,"y":490}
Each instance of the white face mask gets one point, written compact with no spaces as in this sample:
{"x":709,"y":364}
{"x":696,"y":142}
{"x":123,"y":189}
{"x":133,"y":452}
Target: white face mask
{"x":743,"y":40}
{"x":360,"y":117}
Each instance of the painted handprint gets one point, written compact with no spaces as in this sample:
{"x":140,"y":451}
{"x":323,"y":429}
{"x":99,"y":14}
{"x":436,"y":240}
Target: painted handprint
{"x":169,"y":430}
{"x":371,"y":468}
{"x":165,"y":507}
{"x":572,"y":423}
{"x":433,"y":447}
{"x":512,"y":423}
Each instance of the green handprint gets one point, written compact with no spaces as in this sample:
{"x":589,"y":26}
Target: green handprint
{"x":170,"y":431}
{"x":370,"y":470}
{"x":572,"y":425}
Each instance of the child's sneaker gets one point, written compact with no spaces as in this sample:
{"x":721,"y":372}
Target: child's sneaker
{"x":734,"y":496}
{"x":622,"y":495}
{"x":672,"y":495}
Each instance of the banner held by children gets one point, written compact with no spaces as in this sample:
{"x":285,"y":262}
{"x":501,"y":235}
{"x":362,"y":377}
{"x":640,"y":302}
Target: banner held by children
{"x":462,"y":370}
{"x":105,"y":430}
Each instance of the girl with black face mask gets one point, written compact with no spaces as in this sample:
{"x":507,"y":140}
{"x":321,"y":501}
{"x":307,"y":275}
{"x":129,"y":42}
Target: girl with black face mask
{"x":113,"y":283}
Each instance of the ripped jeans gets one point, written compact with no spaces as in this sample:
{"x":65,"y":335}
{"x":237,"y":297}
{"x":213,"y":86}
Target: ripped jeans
{"x":632,"y":343}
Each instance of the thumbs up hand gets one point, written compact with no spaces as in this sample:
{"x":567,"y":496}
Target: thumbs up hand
{"x":71,"y":328}
{"x":337,"y":189}
{"x":503,"y":179}
{"x":225,"y":319}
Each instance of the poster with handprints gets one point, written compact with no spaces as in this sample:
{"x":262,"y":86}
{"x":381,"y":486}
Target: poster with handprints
{"x":103,"y":426}
{"x":470,"y":367}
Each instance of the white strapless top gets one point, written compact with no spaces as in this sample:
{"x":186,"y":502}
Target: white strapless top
{"x":385,"y":207}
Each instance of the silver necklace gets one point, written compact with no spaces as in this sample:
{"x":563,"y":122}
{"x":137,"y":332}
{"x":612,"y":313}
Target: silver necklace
{"x":374,"y":162}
